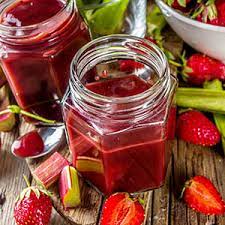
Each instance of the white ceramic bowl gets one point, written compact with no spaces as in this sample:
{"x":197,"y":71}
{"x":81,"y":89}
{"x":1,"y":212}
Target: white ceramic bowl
{"x":205,"y":38}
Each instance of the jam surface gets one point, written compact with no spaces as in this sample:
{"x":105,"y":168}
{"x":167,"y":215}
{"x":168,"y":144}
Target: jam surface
{"x":29,"y":12}
{"x":119,"y":87}
{"x":37,"y":67}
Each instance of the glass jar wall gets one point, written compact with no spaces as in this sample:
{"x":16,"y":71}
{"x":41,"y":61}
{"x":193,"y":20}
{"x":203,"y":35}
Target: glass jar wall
{"x":38,"y":39}
{"x":120,"y":119}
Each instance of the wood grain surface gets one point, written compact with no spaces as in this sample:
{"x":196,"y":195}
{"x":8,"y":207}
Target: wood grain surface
{"x":163,"y":206}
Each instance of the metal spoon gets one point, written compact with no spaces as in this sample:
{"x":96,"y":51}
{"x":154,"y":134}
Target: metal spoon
{"x":54,"y":139}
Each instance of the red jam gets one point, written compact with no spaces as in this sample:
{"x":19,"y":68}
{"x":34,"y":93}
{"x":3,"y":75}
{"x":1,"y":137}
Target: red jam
{"x":130,"y":160}
{"x":29,"y":12}
{"x":37,"y":64}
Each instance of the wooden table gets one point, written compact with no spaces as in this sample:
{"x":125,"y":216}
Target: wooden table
{"x":163,"y":206}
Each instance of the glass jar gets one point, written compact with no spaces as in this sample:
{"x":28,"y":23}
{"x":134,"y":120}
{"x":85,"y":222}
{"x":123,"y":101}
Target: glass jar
{"x":36,"y":58}
{"x":114,"y":16}
{"x":120,"y":122}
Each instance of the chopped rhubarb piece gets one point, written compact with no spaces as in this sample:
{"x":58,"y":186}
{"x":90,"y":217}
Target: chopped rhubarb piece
{"x":49,"y":171}
{"x":7,"y":120}
{"x":88,"y":164}
{"x":69,"y":187}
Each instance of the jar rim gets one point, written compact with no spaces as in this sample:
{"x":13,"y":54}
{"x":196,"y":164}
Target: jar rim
{"x":74,"y":79}
{"x":32,"y":26}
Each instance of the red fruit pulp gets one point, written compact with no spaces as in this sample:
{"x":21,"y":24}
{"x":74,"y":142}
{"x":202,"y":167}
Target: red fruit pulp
{"x":130,"y":160}
{"x":201,"y":195}
{"x":37,"y":66}
{"x":28,"y":145}
{"x":220,"y":5}
{"x":36,"y":11}
{"x":121,"y":209}
{"x":117,"y":87}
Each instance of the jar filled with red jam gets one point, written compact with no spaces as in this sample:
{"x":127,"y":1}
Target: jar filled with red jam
{"x":38,"y":39}
{"x":120,"y":114}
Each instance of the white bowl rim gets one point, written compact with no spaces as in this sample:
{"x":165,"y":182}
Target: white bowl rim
{"x":189,"y":20}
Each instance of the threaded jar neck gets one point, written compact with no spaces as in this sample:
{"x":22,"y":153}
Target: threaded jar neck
{"x":109,"y":49}
{"x":49,"y":29}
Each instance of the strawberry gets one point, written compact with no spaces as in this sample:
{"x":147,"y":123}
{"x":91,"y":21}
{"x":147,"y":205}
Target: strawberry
{"x":201,"y":195}
{"x":181,"y":5}
{"x":206,"y":13}
{"x":30,"y":144}
{"x":199,"y":68}
{"x":34,"y":207}
{"x":119,"y":209}
{"x":220,"y":5}
{"x":194,"y":127}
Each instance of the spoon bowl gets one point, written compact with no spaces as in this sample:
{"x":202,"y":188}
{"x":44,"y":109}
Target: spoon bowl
{"x":54,"y":139}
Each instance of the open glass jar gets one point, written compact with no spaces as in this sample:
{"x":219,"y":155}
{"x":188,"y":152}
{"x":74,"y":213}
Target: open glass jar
{"x":105,"y":17}
{"x":36,"y":50}
{"x":120,"y":114}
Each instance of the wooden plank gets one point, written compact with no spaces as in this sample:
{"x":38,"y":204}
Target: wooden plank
{"x":87,"y":213}
{"x":191,"y":160}
{"x":11,"y":182}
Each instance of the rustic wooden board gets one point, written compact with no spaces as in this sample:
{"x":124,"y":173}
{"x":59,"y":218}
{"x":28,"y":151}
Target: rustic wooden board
{"x":163,"y":206}
{"x":89,"y":211}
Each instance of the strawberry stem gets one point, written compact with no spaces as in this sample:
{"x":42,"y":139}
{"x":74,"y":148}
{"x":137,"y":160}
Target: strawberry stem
{"x":26,"y":180}
{"x":175,"y":63}
{"x":141,"y":200}
{"x":17,"y":110}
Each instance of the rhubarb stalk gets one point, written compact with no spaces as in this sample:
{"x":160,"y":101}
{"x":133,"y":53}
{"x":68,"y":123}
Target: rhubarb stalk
{"x":218,"y":118}
{"x":49,"y":171}
{"x":69,"y":187}
{"x":201,"y":99}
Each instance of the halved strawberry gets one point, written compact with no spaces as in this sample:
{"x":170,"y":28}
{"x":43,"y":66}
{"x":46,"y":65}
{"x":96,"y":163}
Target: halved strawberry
{"x":201,"y":195}
{"x":120,"y":209}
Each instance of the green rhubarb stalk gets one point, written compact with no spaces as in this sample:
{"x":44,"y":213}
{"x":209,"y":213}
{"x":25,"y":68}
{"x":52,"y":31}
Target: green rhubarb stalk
{"x":218,"y":118}
{"x":201,"y":99}
{"x":17,"y":110}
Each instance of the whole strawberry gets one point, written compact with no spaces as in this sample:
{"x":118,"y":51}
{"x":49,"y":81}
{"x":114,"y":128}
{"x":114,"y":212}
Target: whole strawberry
{"x":201,"y":195}
{"x":33,"y":207}
{"x":200,"y":68}
{"x":194,"y":127}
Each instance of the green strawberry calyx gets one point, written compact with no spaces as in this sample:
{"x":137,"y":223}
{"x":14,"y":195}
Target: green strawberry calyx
{"x":207,"y":10}
{"x":27,"y":191}
{"x":185,"y":69}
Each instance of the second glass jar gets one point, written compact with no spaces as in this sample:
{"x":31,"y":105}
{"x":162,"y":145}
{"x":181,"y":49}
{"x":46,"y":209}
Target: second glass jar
{"x":36,"y":50}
